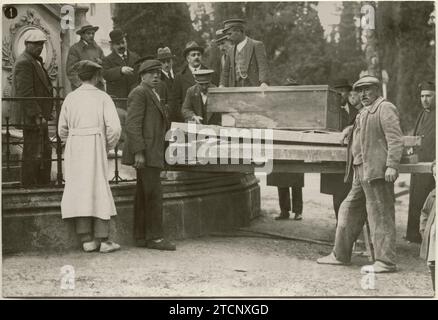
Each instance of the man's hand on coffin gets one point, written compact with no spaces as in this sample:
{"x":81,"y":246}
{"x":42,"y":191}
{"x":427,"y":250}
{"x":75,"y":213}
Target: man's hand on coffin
{"x":197,"y":119}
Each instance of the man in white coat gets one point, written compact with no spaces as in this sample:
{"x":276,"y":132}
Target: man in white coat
{"x":90,"y":126}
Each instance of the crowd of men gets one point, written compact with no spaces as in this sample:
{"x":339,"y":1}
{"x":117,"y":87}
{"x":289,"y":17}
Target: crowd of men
{"x":157,"y":95}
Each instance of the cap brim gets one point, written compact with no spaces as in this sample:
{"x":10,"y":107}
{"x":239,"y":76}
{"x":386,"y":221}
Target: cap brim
{"x":200,"y":49}
{"x":82,"y":31}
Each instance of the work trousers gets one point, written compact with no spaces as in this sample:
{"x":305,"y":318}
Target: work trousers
{"x":373,"y":200}
{"x":90,"y":227}
{"x":148,"y":206}
{"x":37,"y":154}
{"x":339,"y":196}
{"x":297,"y":199}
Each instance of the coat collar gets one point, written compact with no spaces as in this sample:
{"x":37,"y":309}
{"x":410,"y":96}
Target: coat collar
{"x":373,"y":108}
{"x":41,"y":72}
{"x":157,"y":102}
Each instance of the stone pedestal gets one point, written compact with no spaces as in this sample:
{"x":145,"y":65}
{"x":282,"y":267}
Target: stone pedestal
{"x":195,"y":204}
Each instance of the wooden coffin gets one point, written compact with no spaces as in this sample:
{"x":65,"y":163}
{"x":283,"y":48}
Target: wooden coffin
{"x":288,"y":107}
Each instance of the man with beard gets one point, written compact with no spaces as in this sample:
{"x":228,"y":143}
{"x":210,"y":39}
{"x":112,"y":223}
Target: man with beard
{"x":146,"y":127}
{"x":30,"y":79}
{"x":374,"y":153}
{"x":422,"y":184}
{"x":246,"y":64}
{"x":119,"y":73}
{"x":85,"y":49}
{"x":185,"y":79}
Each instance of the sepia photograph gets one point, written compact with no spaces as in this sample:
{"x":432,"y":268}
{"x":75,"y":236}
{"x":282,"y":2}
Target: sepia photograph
{"x":218,"y":150}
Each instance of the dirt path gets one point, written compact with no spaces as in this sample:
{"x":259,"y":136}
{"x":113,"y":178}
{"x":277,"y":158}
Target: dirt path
{"x":225,"y":266}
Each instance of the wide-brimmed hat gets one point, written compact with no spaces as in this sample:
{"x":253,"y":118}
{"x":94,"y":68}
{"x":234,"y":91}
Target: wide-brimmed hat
{"x":203,"y":75}
{"x":35,"y":35}
{"x":192,"y":46}
{"x":342,"y":83}
{"x":149,"y":65}
{"x":228,"y":24}
{"x":366,"y":81}
{"x":86,"y":28}
{"x":117,"y":35}
{"x":427,"y":85}
{"x":86,"y":66}
{"x":164,"y":54}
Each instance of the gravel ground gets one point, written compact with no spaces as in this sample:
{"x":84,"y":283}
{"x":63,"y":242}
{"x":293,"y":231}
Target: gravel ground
{"x":226,"y":266}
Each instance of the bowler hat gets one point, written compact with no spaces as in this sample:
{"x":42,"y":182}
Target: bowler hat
{"x":86,"y":28}
{"x":366,"y":81}
{"x":192,"y":46}
{"x":86,"y":66}
{"x":203,"y":75}
{"x":149,"y":65}
{"x":341,"y":83}
{"x":117,"y":35}
{"x":427,"y":85}
{"x":35,"y":35}
{"x":164,"y":53}
{"x":228,"y":24}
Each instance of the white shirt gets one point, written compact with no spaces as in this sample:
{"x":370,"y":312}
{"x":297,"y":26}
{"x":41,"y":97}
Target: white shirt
{"x":167,"y":73}
{"x":194,"y":69}
{"x":242,"y":44}
{"x":204,"y":98}
{"x":346,"y":108}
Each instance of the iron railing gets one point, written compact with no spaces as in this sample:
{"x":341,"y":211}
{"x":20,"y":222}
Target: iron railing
{"x":55,"y":140}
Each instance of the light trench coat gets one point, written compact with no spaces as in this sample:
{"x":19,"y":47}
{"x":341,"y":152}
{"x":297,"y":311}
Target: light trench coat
{"x":90,"y":126}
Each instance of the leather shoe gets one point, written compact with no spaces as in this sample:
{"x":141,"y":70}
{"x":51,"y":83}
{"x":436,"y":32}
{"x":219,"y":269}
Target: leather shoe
{"x":283,"y":216}
{"x":298,"y":216}
{"x":161,"y":244}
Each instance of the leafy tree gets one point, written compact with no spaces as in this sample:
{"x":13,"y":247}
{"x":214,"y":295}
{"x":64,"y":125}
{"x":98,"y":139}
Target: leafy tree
{"x":406,"y":47}
{"x":153,"y":25}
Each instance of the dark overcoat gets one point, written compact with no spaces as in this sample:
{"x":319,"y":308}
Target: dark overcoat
{"x":146,"y":126}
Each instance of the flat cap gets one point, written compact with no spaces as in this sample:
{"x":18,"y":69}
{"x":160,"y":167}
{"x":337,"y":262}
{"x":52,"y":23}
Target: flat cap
{"x":35,"y":35}
{"x":149,"y":65}
{"x":366,"y":81}
{"x":221,"y":36}
{"x":87,"y":66}
{"x":203,"y":75}
{"x":427,"y":85}
{"x":233,"y":23}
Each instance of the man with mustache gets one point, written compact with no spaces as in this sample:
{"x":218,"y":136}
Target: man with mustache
{"x":119,"y":73}
{"x":185,"y":79}
{"x":374,"y":153}
{"x":217,"y":54}
{"x":422,"y":184}
{"x":85,"y":49}
{"x":146,"y":127}
{"x":30,"y":79}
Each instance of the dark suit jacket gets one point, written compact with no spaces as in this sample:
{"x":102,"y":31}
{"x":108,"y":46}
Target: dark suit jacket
{"x":146,"y":126}
{"x":256,"y":61}
{"x":426,"y":128}
{"x":30,"y":79}
{"x":80,"y":51}
{"x":193,"y":105}
{"x":117,"y":84}
{"x":183,"y":81}
{"x":214,"y":62}
{"x":165,"y":88}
